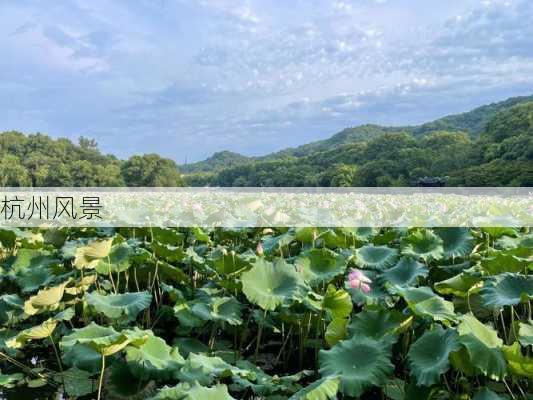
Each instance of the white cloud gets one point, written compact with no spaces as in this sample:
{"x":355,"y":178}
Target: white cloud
{"x":250,"y":75}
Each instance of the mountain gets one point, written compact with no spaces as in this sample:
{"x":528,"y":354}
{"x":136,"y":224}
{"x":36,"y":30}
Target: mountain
{"x":218,"y":161}
{"x":491,"y":145}
{"x":473,"y":123}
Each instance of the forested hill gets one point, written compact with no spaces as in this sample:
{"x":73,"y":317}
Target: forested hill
{"x":38,"y":160}
{"x":488,"y":146}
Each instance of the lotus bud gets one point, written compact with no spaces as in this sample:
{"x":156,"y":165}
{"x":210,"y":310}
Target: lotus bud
{"x":358,"y":280}
{"x":259,"y":249}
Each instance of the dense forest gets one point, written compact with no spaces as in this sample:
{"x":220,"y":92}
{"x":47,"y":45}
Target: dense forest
{"x":489,"y":146}
{"x":38,"y":160}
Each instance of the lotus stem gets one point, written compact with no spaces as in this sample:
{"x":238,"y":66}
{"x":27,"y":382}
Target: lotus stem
{"x":259,"y":333}
{"x":101,"y":381}
{"x":508,"y":388}
{"x":58,"y":359}
{"x":503,"y":326}
{"x":111,"y":275}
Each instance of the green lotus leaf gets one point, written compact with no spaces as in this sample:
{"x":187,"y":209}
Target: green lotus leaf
{"x":78,"y":383}
{"x":460,"y":285}
{"x":506,"y":242}
{"x":41,"y":331}
{"x":205,"y":369}
{"x":10,"y":380}
{"x":405,"y":272}
{"x":227,"y":262}
{"x":323,"y":389}
{"x":336,"y":331}
{"x":360,"y":362}
{"x":11,"y":308}
{"x":271,"y":284}
{"x":428,"y":356}
{"x":525,"y":333}
{"x":168,"y":252}
{"x":337,"y":302}
{"x":185,"y":391}
{"x":424,"y":302}
{"x":320,"y":265}
{"x":88,"y":256}
{"x":45,"y":299}
{"x":486,"y":394}
{"x":118,"y":260}
{"x":82,"y":356}
{"x":456,"y":241}
{"x":395,"y":389}
{"x":423,"y":244}
{"x":31,"y":269}
{"x":514,"y":260}
{"x":518,"y":363}
{"x":377,"y":257}
{"x":166,"y":235}
{"x":273,"y":244}
{"x":499,"y":231}
{"x":226,"y":309}
{"x":507,"y":289}
{"x":66,"y":315}
{"x":115,"y":306}
{"x":183,"y":311}
{"x":378,"y":324}
{"x":34,"y":279}
{"x":483,"y":349}
{"x":104,"y":340}
{"x":153,"y":357}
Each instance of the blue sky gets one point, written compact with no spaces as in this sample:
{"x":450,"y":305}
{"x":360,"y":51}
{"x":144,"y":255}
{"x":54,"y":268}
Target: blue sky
{"x":186,"y":78}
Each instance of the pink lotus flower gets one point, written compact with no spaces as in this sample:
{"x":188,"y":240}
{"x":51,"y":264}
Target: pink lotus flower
{"x":359,"y":280}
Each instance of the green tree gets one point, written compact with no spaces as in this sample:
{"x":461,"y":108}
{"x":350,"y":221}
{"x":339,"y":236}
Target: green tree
{"x":151,"y":170}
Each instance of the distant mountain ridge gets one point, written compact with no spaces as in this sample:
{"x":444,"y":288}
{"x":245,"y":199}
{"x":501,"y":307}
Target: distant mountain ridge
{"x":471,"y":122}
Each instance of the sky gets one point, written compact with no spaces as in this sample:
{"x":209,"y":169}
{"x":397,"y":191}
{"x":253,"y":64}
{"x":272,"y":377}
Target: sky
{"x":187,"y":78}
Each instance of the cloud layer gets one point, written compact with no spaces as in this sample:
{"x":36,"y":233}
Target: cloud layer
{"x":187,"y":78}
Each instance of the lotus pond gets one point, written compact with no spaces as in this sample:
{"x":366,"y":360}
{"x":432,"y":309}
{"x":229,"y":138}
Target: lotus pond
{"x":308,"y":313}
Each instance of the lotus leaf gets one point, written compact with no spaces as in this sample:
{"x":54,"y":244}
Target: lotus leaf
{"x":405,"y":272}
{"x":425,"y":303}
{"x":40,"y":331}
{"x":377,"y":257}
{"x":78,"y":383}
{"x":525,"y":334}
{"x":337,"y":302}
{"x":323,"y":389}
{"x":360,"y":362}
{"x":518,"y":363}
{"x":184,"y":391}
{"x":45,"y":299}
{"x":378,"y":324}
{"x":154,"y":356}
{"x":507,"y":289}
{"x":126,"y":305}
{"x":118,"y":260}
{"x":423,"y":244}
{"x":486,"y":394}
{"x":272,"y":284}
{"x":456,"y":241}
{"x":88,"y":256}
{"x":428,"y":356}
{"x":336,"y":331}
{"x":320,"y":265}
{"x":460,"y":285}
{"x":483,"y":348}
{"x":104,"y":340}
